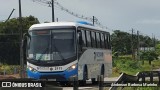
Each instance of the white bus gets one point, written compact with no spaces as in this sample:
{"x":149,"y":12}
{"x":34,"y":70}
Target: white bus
{"x":63,"y":50}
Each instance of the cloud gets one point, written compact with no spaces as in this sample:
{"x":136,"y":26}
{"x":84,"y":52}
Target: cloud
{"x":149,"y":21}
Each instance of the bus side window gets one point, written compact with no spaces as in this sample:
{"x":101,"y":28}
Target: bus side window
{"x":106,"y":41}
{"x":109,"y":42}
{"x":93,"y":39}
{"x":98,"y":40}
{"x":88,"y":38}
{"x":83,"y":38}
{"x":102,"y":40}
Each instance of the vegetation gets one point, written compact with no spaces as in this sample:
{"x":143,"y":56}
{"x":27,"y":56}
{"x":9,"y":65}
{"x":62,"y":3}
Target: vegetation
{"x":9,"y":69}
{"x":10,"y":39}
{"x":149,"y":55}
{"x":122,"y":42}
{"x":126,"y":65}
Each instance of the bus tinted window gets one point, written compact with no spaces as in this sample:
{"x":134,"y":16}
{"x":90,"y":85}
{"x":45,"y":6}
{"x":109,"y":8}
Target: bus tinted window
{"x":109,"y":42}
{"x":102,"y":40}
{"x":84,"y":37}
{"x":106,"y":41}
{"x":93,"y":39}
{"x":98,"y":40}
{"x":88,"y":38}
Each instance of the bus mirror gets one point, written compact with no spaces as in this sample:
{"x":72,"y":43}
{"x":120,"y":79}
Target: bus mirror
{"x":24,"y":39}
{"x":25,"y":36}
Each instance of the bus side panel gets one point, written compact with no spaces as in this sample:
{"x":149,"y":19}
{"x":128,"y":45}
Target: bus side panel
{"x":94,"y":59}
{"x":108,"y":60}
{"x":87,"y":58}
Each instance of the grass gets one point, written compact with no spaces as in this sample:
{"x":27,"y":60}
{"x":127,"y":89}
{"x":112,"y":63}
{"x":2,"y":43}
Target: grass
{"x":131,"y":67}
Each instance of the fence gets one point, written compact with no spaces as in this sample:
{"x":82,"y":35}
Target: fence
{"x":9,"y":49}
{"x":140,"y":77}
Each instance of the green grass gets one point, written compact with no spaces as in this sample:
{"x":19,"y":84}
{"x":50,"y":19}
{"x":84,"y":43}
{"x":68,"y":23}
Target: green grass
{"x":131,"y":67}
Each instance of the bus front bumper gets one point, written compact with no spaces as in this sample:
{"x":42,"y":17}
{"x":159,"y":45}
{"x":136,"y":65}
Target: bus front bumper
{"x":57,"y":76}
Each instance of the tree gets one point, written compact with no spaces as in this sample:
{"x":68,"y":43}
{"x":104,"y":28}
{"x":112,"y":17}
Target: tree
{"x":118,"y":40}
{"x":122,"y":42}
{"x":149,"y":55}
{"x":158,"y":48}
{"x":10,"y":38}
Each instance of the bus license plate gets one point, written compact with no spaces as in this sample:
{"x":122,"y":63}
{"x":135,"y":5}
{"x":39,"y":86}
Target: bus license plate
{"x":51,"y":79}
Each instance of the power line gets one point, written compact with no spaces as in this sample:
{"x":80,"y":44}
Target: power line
{"x":95,"y":20}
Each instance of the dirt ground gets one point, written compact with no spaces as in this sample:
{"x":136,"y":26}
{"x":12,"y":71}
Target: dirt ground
{"x":9,"y":76}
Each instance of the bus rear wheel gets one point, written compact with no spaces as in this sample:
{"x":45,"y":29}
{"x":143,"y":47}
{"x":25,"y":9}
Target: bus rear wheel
{"x":93,"y":81}
{"x":102,"y":72}
{"x":83,"y":82}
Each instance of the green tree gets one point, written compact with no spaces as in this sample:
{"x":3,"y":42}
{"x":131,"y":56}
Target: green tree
{"x":119,"y":39}
{"x":122,"y":42}
{"x":158,"y":49}
{"x":149,"y":55}
{"x":10,"y":38}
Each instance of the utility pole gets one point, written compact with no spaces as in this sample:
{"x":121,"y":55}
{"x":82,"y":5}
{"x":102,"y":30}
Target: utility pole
{"x":132,"y":45}
{"x":10,"y":15}
{"x":21,"y":36}
{"x":138,"y":54}
{"x":93,"y":20}
{"x":154,"y":42}
{"x":52,"y":10}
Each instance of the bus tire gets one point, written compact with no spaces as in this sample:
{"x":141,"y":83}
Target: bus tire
{"x":83,"y":82}
{"x":93,"y":81}
{"x":102,"y":70}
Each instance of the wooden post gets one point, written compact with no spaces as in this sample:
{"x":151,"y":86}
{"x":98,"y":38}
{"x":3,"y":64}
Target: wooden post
{"x":4,"y":72}
{"x":159,"y":78}
{"x":151,"y":77}
{"x":75,"y":83}
{"x":143,"y":78}
{"x":101,"y":81}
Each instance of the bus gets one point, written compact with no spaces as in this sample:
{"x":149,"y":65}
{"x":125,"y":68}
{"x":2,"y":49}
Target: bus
{"x":63,"y":50}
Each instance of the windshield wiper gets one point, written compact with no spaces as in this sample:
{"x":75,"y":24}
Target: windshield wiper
{"x":60,"y":54}
{"x":45,"y":50}
{"x":56,"y":49}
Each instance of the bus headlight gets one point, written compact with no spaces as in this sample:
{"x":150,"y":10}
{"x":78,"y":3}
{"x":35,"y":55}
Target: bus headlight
{"x":32,"y":69}
{"x":72,"y":67}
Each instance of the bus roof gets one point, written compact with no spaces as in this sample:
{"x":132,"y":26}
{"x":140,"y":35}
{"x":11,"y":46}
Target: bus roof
{"x":76,"y":24}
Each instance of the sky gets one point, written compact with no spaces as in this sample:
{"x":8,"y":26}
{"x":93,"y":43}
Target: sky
{"x":142,"y":15}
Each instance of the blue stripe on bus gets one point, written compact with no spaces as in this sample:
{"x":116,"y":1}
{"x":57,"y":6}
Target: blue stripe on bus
{"x":65,"y":74}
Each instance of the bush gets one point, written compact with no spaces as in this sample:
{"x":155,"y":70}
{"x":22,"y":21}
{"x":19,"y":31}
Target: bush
{"x":9,"y":69}
{"x":127,"y":66}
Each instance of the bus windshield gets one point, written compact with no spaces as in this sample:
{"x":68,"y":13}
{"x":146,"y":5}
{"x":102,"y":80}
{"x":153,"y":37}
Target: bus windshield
{"x":45,"y":45}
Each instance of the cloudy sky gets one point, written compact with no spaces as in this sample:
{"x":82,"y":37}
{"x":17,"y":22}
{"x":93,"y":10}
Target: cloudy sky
{"x":142,"y":15}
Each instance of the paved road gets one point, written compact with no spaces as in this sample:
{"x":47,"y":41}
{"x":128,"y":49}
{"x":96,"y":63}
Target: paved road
{"x":93,"y":87}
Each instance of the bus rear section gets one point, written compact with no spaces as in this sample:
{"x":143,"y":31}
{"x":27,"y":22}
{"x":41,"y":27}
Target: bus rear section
{"x":95,"y":55}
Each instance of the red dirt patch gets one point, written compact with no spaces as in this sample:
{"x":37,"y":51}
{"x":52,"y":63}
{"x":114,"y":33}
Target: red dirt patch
{"x":9,"y":76}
